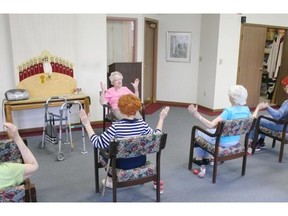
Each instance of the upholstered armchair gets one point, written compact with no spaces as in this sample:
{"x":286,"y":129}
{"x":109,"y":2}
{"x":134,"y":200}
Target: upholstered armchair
{"x":127,"y":148}
{"x":25,"y":192}
{"x":220,"y":154}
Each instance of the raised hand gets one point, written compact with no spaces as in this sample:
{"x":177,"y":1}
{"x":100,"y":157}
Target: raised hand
{"x":84,"y":118}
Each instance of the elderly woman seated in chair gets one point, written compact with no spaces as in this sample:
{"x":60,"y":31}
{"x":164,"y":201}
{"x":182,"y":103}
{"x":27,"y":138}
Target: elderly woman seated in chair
{"x":129,"y":126}
{"x":237,"y":97}
{"x":13,"y":174}
{"x":111,"y":96}
{"x":277,"y":114}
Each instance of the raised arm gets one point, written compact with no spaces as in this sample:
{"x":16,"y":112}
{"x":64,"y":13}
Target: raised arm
{"x":163,"y":114}
{"x":260,"y":106}
{"x":31,"y":164}
{"x":86,"y":122}
{"x":103,"y":90}
{"x":210,"y":124}
{"x":136,"y":86}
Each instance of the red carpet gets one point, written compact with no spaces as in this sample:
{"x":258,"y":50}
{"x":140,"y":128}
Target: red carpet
{"x":151,"y":108}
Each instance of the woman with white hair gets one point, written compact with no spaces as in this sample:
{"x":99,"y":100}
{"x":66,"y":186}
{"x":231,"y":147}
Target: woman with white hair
{"x":237,"y":97}
{"x":111,"y":96}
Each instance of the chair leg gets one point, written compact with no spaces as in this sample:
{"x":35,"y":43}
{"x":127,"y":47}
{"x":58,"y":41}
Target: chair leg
{"x":33,"y":194}
{"x":244,"y":165}
{"x":158,"y":189}
{"x":281,"y":152}
{"x":114,"y":193}
{"x":190,"y":162}
{"x":214,"y":170}
{"x":27,"y":197}
{"x":96,"y":170}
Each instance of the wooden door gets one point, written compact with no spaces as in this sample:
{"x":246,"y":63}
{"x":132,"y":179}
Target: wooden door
{"x":150,"y":53}
{"x":279,"y":95}
{"x":250,"y":64}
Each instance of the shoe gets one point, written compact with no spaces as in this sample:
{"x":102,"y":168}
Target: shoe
{"x":259,"y":147}
{"x":205,"y":161}
{"x":198,"y":162}
{"x":249,"y":151}
{"x":109,"y":183}
{"x":161,"y":186}
{"x":262,"y":145}
{"x":202,"y":172}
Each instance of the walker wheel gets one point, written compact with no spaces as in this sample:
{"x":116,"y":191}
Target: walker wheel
{"x":60,"y":156}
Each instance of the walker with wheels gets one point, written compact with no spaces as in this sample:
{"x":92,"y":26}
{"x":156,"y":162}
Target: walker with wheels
{"x":53,"y":133}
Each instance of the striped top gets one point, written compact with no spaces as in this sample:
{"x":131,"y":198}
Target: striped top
{"x":120,"y":129}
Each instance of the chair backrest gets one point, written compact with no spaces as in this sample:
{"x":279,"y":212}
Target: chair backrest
{"x":138,"y":145}
{"x":25,"y":192}
{"x":9,"y":151}
{"x":237,"y":126}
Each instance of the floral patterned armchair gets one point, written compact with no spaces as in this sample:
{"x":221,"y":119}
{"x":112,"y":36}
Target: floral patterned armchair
{"x":132,"y":147}
{"x":280,"y":136}
{"x":224,"y":128}
{"x":25,"y":192}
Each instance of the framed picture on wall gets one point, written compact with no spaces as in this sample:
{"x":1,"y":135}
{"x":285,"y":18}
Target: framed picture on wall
{"x":178,"y":46}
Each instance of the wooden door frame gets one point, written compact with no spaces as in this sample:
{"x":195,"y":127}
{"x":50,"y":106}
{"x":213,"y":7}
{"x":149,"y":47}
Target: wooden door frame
{"x":257,"y":25}
{"x":155,"y":51}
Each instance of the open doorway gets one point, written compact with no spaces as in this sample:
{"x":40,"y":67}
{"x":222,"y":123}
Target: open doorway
{"x":253,"y":66}
{"x":271,"y":63}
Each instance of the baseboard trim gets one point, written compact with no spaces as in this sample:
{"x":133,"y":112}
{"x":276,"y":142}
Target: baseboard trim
{"x":39,"y":130}
{"x":201,"y":109}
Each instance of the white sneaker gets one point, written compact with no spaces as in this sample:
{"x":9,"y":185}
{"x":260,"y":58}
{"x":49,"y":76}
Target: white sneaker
{"x":108,"y":182}
{"x":249,"y":151}
{"x":202,"y":172}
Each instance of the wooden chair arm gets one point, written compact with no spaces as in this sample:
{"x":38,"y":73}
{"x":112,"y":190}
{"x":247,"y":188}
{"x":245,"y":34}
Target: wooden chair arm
{"x":278,"y":121}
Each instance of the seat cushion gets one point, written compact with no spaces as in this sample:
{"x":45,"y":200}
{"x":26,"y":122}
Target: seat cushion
{"x":140,"y":172}
{"x":12,"y":194}
{"x":147,"y":169}
{"x":273,"y":133}
{"x":9,"y":151}
{"x":222,"y":151}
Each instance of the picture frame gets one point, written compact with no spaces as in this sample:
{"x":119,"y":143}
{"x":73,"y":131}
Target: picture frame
{"x":178,"y":46}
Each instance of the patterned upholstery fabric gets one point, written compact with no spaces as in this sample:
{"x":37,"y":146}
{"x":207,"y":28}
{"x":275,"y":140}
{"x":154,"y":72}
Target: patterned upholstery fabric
{"x":131,"y":174}
{"x":230,"y":128}
{"x":10,"y":152}
{"x":139,"y":145}
{"x":236,"y":127}
{"x":273,"y":133}
{"x":12,"y":194}
{"x":140,"y":172}
{"x":222,"y":151}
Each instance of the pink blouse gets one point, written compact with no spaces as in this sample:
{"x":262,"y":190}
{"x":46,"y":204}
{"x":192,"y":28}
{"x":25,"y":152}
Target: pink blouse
{"x":112,"y":95}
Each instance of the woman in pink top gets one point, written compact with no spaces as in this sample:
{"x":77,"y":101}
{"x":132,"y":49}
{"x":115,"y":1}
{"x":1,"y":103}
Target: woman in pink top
{"x":111,"y":96}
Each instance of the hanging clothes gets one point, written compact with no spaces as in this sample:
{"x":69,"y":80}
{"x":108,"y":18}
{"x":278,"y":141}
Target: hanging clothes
{"x":274,"y":59}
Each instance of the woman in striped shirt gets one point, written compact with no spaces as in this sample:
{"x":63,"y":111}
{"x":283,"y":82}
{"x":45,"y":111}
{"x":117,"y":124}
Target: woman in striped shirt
{"x":129,"y":126}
